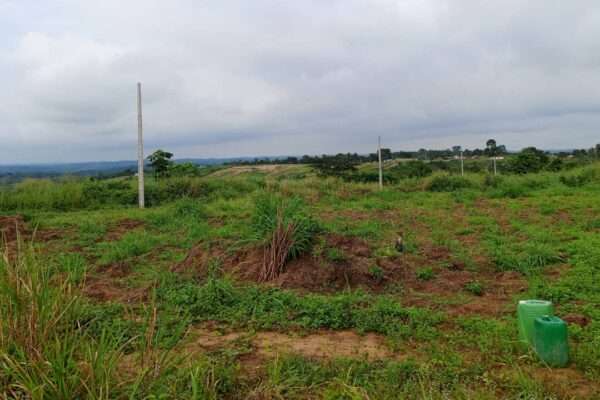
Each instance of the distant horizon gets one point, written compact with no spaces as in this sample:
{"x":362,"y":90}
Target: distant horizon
{"x":230,"y":158}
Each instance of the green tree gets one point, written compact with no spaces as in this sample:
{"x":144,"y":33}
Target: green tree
{"x":340,"y":165}
{"x":386,"y":154}
{"x":160,"y":161}
{"x":183,"y":169}
{"x":530,"y":159}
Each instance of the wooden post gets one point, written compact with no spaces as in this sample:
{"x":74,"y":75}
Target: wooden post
{"x":462,"y":164}
{"x":380,"y":163}
{"x":140,"y":148}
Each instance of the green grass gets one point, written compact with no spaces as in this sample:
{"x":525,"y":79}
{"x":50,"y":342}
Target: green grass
{"x":58,"y":343}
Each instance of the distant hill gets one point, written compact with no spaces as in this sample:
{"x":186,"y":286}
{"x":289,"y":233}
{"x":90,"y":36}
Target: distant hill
{"x":101,"y":166}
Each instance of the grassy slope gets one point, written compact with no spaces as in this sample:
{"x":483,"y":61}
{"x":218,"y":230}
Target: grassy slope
{"x":534,"y":225}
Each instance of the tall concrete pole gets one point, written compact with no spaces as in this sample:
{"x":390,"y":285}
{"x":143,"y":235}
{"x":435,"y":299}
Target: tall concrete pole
{"x":380,"y":163}
{"x":140,"y":148}
{"x":462,"y":164}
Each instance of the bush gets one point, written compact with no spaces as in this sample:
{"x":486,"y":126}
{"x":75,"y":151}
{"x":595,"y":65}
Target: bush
{"x":580,"y":179}
{"x":270,"y":210}
{"x":412,"y":169}
{"x":448,"y":183}
{"x":528,"y":160}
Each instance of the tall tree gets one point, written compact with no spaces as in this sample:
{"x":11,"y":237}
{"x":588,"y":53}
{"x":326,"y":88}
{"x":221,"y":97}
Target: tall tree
{"x":491,"y":148}
{"x":160,"y":161}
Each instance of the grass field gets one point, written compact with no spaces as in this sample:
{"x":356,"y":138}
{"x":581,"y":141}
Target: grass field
{"x":101,"y":300}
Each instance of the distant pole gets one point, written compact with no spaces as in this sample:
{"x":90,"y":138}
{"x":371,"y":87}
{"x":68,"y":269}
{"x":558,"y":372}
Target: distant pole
{"x":380,"y":164}
{"x":462,"y":164}
{"x":140,"y":148}
{"x":495,"y":170}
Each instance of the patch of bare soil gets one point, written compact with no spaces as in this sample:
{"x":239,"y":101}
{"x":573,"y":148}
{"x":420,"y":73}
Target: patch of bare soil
{"x":324,"y":344}
{"x":121,"y":227}
{"x":12,"y":227}
{"x":107,"y":284}
{"x":112,"y":290}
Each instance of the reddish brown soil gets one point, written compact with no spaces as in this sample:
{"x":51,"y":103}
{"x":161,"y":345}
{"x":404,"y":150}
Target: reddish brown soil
{"x":445,"y":291}
{"x":113,"y":290}
{"x":577,"y":319}
{"x":116,"y":231}
{"x":307,"y":273}
{"x":14,"y":229}
{"x":11,"y":228}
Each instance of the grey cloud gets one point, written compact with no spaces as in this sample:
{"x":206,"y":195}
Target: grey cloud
{"x":226,"y":78}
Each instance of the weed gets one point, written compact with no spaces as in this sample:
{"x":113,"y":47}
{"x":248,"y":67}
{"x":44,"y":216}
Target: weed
{"x":425,"y":274}
{"x":335,"y":255}
{"x":475,"y":287}
{"x":377,"y":273}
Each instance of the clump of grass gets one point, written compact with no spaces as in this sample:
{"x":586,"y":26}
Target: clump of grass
{"x":132,"y":244}
{"x":335,"y":255}
{"x":475,"y":287}
{"x":425,"y":274}
{"x":377,"y":273}
{"x":285,"y":228}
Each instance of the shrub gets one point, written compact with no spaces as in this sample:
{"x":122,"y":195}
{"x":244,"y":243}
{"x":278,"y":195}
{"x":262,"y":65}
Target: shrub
{"x":448,"y":183}
{"x":580,"y":179}
{"x":474,"y":287}
{"x":528,"y":160}
{"x":412,"y":169}
{"x":425,"y":274}
{"x":285,"y":228}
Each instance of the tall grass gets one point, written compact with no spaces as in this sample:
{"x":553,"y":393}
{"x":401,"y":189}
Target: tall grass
{"x":48,"y":352}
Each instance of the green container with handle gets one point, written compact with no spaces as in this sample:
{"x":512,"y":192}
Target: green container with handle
{"x":550,"y":341}
{"x":527,"y":312}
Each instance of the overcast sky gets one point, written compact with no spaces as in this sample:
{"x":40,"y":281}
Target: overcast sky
{"x":256,"y":77}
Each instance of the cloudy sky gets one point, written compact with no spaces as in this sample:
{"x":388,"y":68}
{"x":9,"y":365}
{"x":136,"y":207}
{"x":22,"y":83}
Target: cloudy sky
{"x":270,"y":77}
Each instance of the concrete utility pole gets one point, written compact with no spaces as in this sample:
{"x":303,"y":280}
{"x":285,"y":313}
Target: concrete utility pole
{"x":380,"y":163}
{"x":140,"y":148}
{"x":462,"y":164}
{"x":495,"y":170}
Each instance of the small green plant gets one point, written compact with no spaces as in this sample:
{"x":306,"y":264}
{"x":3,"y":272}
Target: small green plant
{"x":475,"y":287}
{"x":425,"y":274}
{"x":335,"y":255}
{"x":377,"y":273}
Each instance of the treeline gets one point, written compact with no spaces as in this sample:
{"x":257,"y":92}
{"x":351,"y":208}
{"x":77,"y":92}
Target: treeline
{"x":528,"y":160}
{"x":492,"y":149}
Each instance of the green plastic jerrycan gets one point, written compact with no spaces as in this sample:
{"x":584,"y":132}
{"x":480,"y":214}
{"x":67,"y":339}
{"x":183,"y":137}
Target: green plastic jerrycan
{"x":527,"y":312}
{"x":551,"y":343}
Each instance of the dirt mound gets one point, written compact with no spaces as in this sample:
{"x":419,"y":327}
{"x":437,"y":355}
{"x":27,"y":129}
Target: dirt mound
{"x":313,"y":273}
{"x":12,"y":227}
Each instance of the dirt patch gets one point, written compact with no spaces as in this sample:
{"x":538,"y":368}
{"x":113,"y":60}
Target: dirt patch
{"x":118,"y":269}
{"x":324,"y":344}
{"x":12,"y":228}
{"x":112,"y":290}
{"x":116,"y":231}
{"x":577,"y":319}
{"x":306,"y":273}
{"x":445,"y":290}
